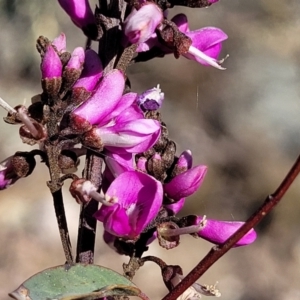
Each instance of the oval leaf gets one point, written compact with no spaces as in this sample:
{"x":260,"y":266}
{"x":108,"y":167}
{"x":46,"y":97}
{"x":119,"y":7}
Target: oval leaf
{"x":76,"y":282}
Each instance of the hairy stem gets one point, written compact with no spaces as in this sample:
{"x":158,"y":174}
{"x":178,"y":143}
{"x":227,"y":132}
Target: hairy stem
{"x":62,"y":225}
{"x":218,"y":251}
{"x":87,"y":223}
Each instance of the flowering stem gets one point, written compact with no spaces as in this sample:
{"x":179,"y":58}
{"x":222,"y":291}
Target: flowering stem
{"x":87,"y":223}
{"x":218,"y":251}
{"x":62,"y":225}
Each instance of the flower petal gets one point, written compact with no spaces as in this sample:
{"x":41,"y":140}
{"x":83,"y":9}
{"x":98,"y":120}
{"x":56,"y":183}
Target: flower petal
{"x":104,"y":100}
{"x":137,"y":194}
{"x":185,"y":184}
{"x":218,"y":232}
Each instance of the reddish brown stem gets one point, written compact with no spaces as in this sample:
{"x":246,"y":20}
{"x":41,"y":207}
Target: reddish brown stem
{"x":218,"y":251}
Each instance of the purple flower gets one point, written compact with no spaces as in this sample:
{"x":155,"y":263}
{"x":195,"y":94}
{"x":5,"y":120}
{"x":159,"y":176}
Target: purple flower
{"x":51,"y":65}
{"x":206,"y":43}
{"x":218,"y":232}
{"x":142,"y":23}
{"x":118,"y":123}
{"x":206,"y":46}
{"x":137,"y":197}
{"x":91,"y":73}
{"x":186,"y":183}
{"x":79,"y":11}
{"x":151,"y":99}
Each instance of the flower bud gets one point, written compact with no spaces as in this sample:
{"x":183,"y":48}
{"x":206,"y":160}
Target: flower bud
{"x":73,"y":68}
{"x":185,"y":184}
{"x":91,"y":73}
{"x":51,"y":68}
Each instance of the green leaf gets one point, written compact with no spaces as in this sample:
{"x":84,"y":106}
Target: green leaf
{"x":76,"y":282}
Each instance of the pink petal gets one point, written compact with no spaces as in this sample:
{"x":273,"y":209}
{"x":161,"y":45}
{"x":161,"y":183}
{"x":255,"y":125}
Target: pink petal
{"x":136,"y":135}
{"x":208,"y":40}
{"x":125,"y":102}
{"x":51,"y":65}
{"x":185,"y":184}
{"x":140,"y":196}
{"x":60,"y":43}
{"x":218,"y":232}
{"x":91,"y":73}
{"x":79,"y":11}
{"x":141,"y":24}
{"x":77,"y":59}
{"x":104,"y":100}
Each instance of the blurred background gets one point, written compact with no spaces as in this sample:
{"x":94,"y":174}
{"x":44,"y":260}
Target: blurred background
{"x":243,"y":123}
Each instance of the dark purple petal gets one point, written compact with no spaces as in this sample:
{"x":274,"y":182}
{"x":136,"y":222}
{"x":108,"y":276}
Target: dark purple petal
{"x":218,"y":232}
{"x":182,"y":22}
{"x":151,"y":99}
{"x":185,"y":184}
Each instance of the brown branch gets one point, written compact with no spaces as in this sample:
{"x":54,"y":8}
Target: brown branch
{"x":87,"y":223}
{"x":218,"y":251}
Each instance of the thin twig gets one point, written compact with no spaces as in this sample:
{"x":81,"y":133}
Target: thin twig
{"x":62,"y":225}
{"x":218,"y":251}
{"x":87,"y":223}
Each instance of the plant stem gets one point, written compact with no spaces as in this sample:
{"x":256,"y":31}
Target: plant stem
{"x":62,"y":225}
{"x":87,"y":223}
{"x":218,"y":251}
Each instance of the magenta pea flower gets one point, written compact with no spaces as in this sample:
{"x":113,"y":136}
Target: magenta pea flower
{"x":79,"y":11}
{"x":206,"y":43}
{"x":186,"y":183}
{"x":142,"y":23}
{"x":137,"y":199}
{"x":118,"y":126}
{"x":218,"y":232}
{"x":206,"y":46}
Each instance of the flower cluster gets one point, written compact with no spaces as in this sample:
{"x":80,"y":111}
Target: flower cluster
{"x":86,"y":105}
{"x":143,"y":181}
